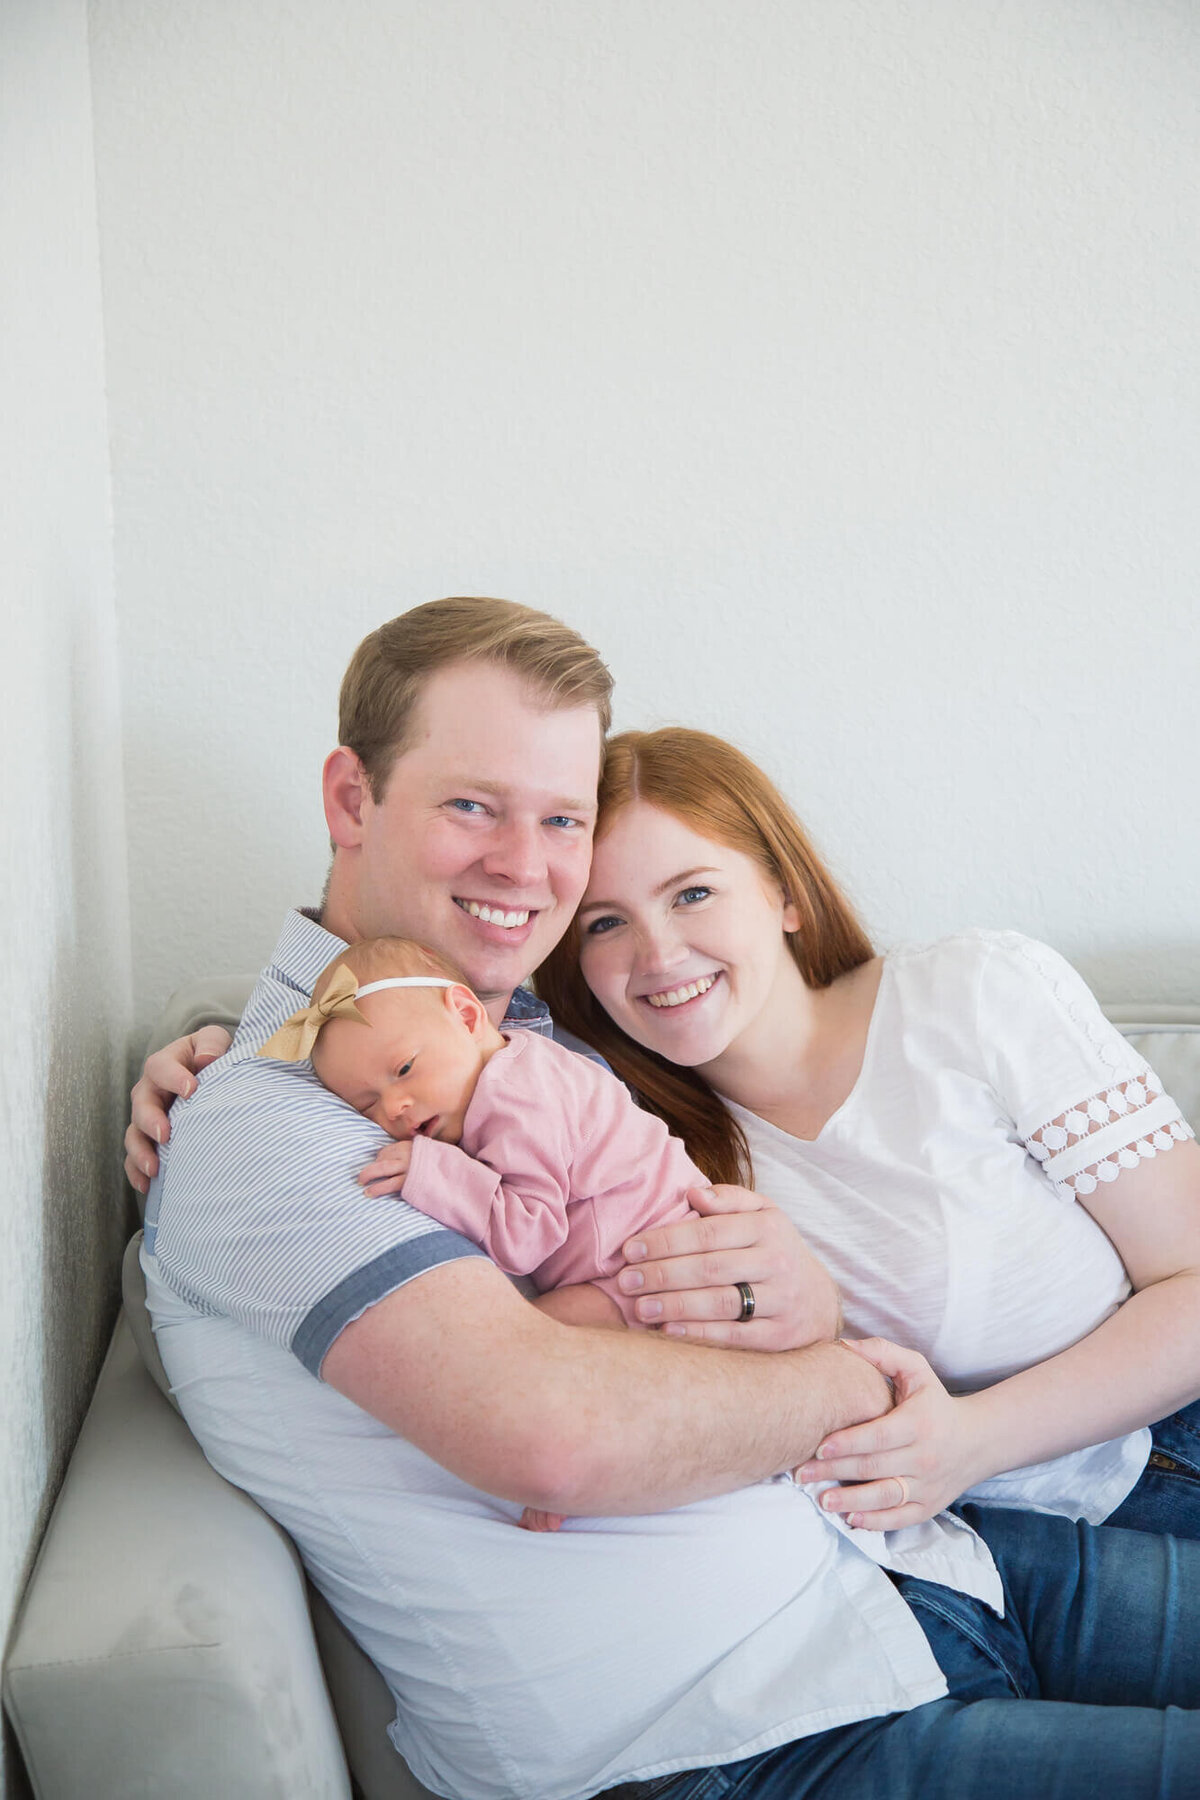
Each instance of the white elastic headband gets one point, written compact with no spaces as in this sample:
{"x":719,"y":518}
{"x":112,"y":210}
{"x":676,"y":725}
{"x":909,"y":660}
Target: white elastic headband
{"x":373,"y":987}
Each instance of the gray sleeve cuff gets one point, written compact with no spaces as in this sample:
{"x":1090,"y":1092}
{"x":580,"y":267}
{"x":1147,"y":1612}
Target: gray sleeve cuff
{"x":351,"y":1297}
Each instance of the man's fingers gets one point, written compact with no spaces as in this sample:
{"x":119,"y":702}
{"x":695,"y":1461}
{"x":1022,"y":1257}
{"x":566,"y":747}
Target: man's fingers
{"x":718,"y":1258}
{"x":723,"y":1198}
{"x":698,"y":1306}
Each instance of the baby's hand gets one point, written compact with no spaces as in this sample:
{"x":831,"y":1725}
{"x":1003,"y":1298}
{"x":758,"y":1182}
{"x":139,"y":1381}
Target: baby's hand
{"x":386,"y":1174}
{"x":533,"y":1520}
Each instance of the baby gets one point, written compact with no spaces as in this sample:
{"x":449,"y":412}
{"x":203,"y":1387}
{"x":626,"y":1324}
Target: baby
{"x":537,"y":1155}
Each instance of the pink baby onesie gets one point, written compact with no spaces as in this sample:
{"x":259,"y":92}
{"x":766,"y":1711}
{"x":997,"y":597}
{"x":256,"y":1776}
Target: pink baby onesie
{"x":557,"y":1168}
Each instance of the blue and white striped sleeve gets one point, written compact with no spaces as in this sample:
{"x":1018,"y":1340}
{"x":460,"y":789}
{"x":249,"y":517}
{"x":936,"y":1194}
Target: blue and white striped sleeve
{"x":258,"y":1217}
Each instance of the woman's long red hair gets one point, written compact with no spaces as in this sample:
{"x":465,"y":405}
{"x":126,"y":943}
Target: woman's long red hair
{"x":720,"y":793}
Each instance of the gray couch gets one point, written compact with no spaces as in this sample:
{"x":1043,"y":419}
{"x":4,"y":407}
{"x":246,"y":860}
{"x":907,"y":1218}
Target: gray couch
{"x":169,"y":1645}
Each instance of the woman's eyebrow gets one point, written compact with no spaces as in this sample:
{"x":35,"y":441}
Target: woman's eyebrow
{"x":671,"y":881}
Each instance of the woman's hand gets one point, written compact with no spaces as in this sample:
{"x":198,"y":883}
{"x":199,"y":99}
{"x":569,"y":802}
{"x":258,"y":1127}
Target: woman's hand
{"x":685,"y":1276}
{"x":385,"y":1175}
{"x":913,"y":1461}
{"x":169,"y":1074}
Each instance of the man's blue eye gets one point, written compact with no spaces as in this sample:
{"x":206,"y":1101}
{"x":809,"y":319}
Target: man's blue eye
{"x":562,"y":820}
{"x":467,"y":806}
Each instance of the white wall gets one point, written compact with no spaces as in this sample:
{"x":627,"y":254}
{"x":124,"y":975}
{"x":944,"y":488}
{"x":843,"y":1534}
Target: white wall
{"x":64,"y":946}
{"x":834,"y":368}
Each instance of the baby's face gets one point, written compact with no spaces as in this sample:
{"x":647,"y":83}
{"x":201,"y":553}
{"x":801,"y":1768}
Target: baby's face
{"x":412,"y":1068}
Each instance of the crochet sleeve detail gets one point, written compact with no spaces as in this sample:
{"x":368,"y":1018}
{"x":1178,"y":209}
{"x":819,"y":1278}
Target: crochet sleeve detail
{"x":1114,"y":1130}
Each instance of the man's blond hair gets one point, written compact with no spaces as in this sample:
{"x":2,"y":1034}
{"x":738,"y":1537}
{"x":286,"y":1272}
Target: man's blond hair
{"x":388,"y":671}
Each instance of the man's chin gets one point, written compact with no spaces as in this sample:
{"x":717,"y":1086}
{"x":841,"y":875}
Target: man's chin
{"x":494,"y":969}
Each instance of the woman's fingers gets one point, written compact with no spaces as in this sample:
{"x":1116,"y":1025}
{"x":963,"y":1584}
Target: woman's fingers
{"x":883,"y":1505}
{"x":169,"y":1074}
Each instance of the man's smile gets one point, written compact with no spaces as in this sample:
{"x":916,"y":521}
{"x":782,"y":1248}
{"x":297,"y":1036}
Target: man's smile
{"x":511,"y":919}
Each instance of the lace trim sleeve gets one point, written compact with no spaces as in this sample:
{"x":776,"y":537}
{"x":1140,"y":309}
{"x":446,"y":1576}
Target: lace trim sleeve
{"x":1115,"y":1130}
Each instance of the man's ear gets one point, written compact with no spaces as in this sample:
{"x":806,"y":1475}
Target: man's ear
{"x":468,"y":1006}
{"x":345,"y":791}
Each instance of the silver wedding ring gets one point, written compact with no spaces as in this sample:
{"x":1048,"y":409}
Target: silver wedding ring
{"x":747,"y":1294}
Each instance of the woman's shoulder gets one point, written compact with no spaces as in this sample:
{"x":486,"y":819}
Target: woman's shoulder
{"x":988,"y":968}
{"x":966,"y":952}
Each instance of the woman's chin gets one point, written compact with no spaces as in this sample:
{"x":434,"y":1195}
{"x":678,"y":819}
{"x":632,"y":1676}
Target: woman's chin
{"x":687,"y":1043}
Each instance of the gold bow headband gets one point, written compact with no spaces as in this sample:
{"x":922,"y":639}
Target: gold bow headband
{"x":296,"y":1036}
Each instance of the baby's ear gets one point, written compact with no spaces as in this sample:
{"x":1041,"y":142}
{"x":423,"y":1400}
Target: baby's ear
{"x":468,"y":1006}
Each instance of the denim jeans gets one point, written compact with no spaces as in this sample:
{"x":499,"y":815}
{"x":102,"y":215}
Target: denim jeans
{"x":1075,"y":1693}
{"x":1167,"y":1498}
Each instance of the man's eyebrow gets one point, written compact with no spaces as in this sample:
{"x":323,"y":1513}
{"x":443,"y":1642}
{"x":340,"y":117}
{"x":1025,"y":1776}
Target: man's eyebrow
{"x":671,"y":881}
{"x":501,"y":792}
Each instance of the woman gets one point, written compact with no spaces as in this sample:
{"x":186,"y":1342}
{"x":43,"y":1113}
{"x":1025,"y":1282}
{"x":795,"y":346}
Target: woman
{"x":985,"y":1165}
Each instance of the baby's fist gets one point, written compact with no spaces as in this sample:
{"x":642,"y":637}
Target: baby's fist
{"x":386,"y":1174}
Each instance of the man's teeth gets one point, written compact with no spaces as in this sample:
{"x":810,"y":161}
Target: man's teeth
{"x":494,"y":915}
{"x":677,"y":996}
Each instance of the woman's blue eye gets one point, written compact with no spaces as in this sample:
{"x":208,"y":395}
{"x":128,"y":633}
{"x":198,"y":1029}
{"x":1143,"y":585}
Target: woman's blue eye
{"x":694,"y":893}
{"x":599,"y":926}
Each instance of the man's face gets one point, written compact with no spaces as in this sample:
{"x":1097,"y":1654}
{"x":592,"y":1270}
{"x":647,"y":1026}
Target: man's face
{"x":481,"y":844}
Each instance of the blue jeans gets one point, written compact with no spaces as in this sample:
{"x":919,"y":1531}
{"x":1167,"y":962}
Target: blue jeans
{"x":1075,"y":1693}
{"x":1167,"y":1498}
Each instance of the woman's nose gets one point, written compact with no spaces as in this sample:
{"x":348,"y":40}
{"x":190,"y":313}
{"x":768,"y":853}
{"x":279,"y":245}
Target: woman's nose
{"x":659,"y":950}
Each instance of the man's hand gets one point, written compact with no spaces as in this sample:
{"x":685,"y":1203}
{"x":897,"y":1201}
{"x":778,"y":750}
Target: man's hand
{"x":385,"y":1175}
{"x":688,"y":1273}
{"x":911,"y":1463}
{"x":169,"y":1074}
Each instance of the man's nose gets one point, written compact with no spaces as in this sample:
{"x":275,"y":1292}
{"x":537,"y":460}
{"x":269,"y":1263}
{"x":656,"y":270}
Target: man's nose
{"x":517,"y":854}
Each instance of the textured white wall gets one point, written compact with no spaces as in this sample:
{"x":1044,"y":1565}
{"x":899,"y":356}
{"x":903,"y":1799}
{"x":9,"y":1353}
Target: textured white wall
{"x":64,"y":947}
{"x":835,"y":369}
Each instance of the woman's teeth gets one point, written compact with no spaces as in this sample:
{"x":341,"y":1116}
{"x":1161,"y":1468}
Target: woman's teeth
{"x":494,"y":915}
{"x":677,"y":996}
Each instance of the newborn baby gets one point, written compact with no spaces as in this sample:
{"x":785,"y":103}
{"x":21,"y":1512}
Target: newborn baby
{"x":536,"y":1154}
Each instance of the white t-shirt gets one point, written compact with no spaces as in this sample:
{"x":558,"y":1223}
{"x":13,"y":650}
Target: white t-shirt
{"x":943,"y":1193}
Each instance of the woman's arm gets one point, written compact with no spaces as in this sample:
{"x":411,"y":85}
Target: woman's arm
{"x":1139,"y":1365}
{"x":169,"y":1074}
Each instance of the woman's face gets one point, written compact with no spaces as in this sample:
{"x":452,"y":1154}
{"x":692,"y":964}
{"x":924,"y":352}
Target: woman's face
{"x":681,"y":938}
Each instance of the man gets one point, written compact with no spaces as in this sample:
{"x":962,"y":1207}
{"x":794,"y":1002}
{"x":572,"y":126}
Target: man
{"x":394,"y":1401}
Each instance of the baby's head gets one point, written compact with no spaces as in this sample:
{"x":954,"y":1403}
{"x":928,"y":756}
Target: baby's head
{"x":409,"y":1057}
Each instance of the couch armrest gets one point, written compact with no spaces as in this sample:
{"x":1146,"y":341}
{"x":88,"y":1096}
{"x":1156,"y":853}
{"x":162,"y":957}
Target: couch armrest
{"x":165,"y":1645}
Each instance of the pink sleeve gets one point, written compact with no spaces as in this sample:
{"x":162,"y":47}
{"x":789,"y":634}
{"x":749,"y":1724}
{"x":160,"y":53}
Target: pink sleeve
{"x":519,"y":1220}
{"x":629,"y":1173}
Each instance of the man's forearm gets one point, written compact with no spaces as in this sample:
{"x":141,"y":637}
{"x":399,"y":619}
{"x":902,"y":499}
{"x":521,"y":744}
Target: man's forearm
{"x":578,"y":1421}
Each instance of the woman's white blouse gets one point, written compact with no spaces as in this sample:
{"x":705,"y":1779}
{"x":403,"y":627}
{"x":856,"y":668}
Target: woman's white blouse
{"x":942,"y":1194}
